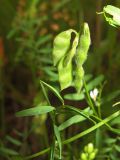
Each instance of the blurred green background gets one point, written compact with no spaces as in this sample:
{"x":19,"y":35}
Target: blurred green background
{"x":27,"y":30}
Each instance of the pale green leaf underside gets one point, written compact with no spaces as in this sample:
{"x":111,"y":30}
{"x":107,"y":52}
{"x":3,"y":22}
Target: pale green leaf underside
{"x":35,"y":111}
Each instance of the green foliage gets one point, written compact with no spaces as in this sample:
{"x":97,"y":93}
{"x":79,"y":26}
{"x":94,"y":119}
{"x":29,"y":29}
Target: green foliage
{"x":60,"y":116}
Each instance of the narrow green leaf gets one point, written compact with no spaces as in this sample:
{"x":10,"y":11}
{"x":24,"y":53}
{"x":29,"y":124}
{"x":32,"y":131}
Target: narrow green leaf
{"x":117,"y":148}
{"x":88,"y":77}
{"x":110,"y":140}
{"x":110,"y":96}
{"x":46,"y":50}
{"x":79,"y":135}
{"x":52,"y":151}
{"x":7,"y":151}
{"x":85,"y":113}
{"x":43,"y":40}
{"x":53,"y":90}
{"x":35,"y":111}
{"x":95,"y":82}
{"x":13,"y":140}
{"x":60,"y":4}
{"x":73,"y":120}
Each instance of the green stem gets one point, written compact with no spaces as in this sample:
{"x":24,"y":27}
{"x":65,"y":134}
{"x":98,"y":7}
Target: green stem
{"x":99,"y":100}
{"x":79,"y":135}
{"x":52,"y":116}
{"x":38,"y":154}
{"x":89,"y":99}
{"x":114,"y":115}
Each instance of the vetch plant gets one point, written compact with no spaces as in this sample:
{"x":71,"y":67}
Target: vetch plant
{"x":69,"y":55}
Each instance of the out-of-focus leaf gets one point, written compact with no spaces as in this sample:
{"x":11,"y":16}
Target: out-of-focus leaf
{"x":110,"y":96}
{"x":88,"y":77}
{"x":13,"y":140}
{"x":117,"y":148}
{"x":60,"y":5}
{"x":95,"y":82}
{"x":110,"y":140}
{"x":43,"y":40}
{"x":17,"y":158}
{"x":52,"y":75}
{"x":45,"y":50}
{"x":7,"y":151}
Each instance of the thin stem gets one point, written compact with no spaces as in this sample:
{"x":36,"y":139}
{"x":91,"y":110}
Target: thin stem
{"x":99,"y":99}
{"x":114,"y":115}
{"x":52,"y":116}
{"x":99,"y":111}
{"x":38,"y":154}
{"x":89,"y":99}
{"x":79,"y":135}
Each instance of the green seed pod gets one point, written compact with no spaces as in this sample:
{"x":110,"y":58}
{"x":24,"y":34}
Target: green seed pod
{"x":61,"y":45}
{"x":83,"y":46}
{"x":63,"y":54}
{"x":65,"y":74}
{"x":81,"y":55}
{"x":79,"y":74}
{"x":65,"y":66}
{"x":72,"y":51}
